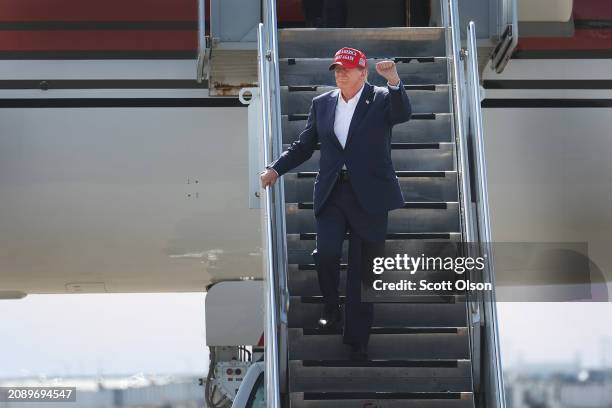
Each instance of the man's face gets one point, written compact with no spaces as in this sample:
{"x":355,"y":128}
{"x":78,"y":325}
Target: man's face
{"x":349,"y":78}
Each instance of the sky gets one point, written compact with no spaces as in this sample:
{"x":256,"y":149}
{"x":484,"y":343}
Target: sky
{"x":108,"y":334}
{"x":128,"y":334}
{"x":555,"y":332}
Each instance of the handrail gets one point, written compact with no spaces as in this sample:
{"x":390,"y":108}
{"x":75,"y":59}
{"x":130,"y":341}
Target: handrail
{"x":451,"y":20}
{"x":510,"y":12}
{"x":275,"y":208}
{"x":508,"y":35}
{"x":270,"y":23}
{"x":271,"y":335}
{"x":460,"y":124}
{"x":202,"y":49}
{"x":484,"y":226}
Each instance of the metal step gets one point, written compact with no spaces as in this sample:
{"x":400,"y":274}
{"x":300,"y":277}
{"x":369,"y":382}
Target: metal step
{"x":380,"y":375}
{"x":384,"y":344}
{"x":315,"y":71}
{"x":434,"y":128}
{"x":300,"y":246}
{"x":423,"y":98}
{"x":419,"y":157}
{"x":374,"y":42}
{"x":303,"y":279}
{"x":388,"y":314}
{"x":416,"y":186}
{"x":415,"y":217}
{"x":412,"y":299}
{"x":305,"y":283}
{"x":407,"y":296}
{"x":382,"y":399}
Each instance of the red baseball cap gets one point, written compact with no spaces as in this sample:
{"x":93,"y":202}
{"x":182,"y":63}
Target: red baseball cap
{"x":349,"y":58}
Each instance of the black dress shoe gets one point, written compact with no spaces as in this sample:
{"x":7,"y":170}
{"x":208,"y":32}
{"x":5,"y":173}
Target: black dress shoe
{"x":330,"y":319}
{"x":359,"y":352}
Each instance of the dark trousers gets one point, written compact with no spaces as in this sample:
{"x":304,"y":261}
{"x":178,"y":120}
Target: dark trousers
{"x":342,"y":213}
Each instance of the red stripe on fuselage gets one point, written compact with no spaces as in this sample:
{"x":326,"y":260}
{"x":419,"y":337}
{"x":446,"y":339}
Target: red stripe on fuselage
{"x":98,"y":40}
{"x":592,"y":10}
{"x":107,"y":10}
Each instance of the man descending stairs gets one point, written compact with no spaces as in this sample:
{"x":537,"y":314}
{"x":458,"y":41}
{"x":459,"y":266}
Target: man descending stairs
{"x":418,"y":354}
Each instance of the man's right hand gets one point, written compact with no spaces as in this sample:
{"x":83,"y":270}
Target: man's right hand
{"x":268,"y":177}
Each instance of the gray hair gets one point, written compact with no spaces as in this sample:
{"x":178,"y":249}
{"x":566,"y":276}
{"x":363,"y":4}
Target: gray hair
{"x":366,"y":71}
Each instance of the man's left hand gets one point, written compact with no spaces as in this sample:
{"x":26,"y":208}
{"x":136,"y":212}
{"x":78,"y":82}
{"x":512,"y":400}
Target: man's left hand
{"x":388,"y":70}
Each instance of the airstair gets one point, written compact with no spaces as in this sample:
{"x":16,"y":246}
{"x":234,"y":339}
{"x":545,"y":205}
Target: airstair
{"x":430,"y":350}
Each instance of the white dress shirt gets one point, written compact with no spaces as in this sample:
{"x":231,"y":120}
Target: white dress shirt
{"x":344,"y":115}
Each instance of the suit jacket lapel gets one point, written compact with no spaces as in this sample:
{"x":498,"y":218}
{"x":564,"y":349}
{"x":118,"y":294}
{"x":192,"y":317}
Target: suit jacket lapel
{"x":360,"y":111}
{"x":331,"y":116}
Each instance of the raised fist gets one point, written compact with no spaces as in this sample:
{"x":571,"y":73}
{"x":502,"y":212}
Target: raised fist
{"x":388,"y":70}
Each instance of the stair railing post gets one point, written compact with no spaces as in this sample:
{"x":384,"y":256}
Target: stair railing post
{"x":458,"y":96}
{"x":276,"y":208}
{"x":202,"y":64}
{"x":459,"y":104}
{"x":272,"y":380}
{"x":495,"y":377}
{"x":271,"y":24}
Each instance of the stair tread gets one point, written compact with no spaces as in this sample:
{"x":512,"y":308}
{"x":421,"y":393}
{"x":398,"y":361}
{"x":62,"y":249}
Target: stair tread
{"x":386,"y":395}
{"x":405,"y":173}
{"x":306,"y":205}
{"x":424,"y":99}
{"x":425,"y":298}
{"x":385,"y":330}
{"x":388,"y":399}
{"x":397,"y":235}
{"x":417,"y":116}
{"x":401,"y":145}
{"x":396,"y":58}
{"x":380,"y":42}
{"x":385,"y":363}
{"x":440,"y":157}
{"x":344,"y":265}
{"x":326,"y":88}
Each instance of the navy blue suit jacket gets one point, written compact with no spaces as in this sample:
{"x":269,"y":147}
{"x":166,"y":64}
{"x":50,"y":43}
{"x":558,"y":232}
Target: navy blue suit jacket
{"x":367,"y":152}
